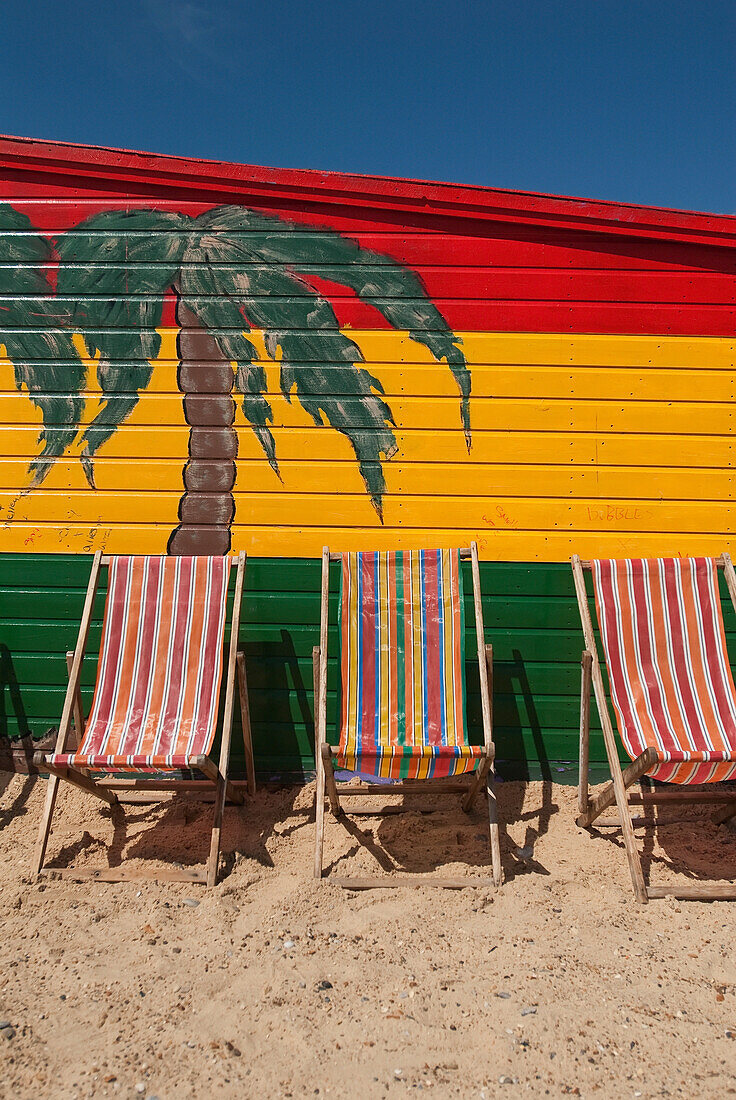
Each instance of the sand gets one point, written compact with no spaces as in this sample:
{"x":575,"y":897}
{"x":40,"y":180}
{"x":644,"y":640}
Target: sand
{"x":273,"y":985}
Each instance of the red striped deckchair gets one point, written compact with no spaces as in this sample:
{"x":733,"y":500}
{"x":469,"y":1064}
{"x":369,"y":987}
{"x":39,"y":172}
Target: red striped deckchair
{"x":157,"y":693}
{"x":402,"y":660}
{"x":672,"y":691}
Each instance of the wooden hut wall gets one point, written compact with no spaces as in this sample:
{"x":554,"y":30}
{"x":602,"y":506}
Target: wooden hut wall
{"x":198,"y":357}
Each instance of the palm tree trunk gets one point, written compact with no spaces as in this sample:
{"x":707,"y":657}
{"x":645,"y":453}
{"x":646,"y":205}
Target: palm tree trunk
{"x":205,"y":379}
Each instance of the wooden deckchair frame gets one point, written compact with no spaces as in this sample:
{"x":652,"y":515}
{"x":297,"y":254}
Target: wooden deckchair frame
{"x":324,"y":752}
{"x":106,"y":786}
{"x":623,"y":778}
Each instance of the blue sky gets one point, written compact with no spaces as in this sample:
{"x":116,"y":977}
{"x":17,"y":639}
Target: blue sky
{"x":631,"y":101}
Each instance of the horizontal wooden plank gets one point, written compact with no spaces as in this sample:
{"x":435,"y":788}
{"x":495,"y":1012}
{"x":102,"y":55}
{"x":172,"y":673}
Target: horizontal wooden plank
{"x":291,"y":510}
{"x":445,"y":284}
{"x":500,"y":544}
{"x":324,"y":444}
{"x":598,"y":483}
{"x":577,"y":381}
{"x":273,"y":640}
{"x":501,"y":348}
{"x":670,"y":318}
{"x":457,"y":280}
{"x":416,"y":245}
{"x":291,"y":609}
{"x":43,"y":713}
{"x":562,"y":416}
{"x":45,"y":572}
{"x":270,"y":706}
{"x":346,"y":203}
{"x":292,"y":673}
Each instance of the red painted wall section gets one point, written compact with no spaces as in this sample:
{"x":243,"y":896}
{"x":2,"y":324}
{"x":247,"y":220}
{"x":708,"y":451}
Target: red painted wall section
{"x":491,"y":260}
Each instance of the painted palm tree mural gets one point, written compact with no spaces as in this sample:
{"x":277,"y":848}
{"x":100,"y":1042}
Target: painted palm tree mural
{"x":231,"y":271}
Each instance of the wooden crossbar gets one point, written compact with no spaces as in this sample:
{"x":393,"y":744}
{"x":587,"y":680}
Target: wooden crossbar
{"x":382,"y":882}
{"x":720,"y":562}
{"x":127,"y":874}
{"x":465,"y":552}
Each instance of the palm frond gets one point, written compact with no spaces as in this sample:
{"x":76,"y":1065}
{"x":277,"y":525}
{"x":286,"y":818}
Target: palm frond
{"x":37,"y":341}
{"x":318,"y":364}
{"x":398,"y":294}
{"x":215,"y":294}
{"x":114,"y":270}
{"x":321,"y":367}
{"x":54,"y":388}
{"x":27,"y":250}
{"x":395,"y":291}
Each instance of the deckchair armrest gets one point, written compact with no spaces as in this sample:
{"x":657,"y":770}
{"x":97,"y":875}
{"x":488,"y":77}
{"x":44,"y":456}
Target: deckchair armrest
{"x":40,"y":758}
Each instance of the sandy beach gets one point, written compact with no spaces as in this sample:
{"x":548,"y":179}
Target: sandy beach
{"x":272,"y":985}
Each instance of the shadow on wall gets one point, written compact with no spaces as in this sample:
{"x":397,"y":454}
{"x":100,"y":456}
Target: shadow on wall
{"x":281,"y":714}
{"x":10,"y":690}
{"x":511,"y":680}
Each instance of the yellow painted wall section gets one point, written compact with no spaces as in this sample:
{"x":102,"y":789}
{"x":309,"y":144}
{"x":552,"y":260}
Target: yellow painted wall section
{"x":601,"y":445}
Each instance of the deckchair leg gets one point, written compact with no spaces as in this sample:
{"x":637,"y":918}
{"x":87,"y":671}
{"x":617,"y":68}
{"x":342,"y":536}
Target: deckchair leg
{"x":52,"y":789}
{"x":616,"y":792}
{"x":486,"y":666}
{"x":214,"y":857}
{"x":586,"y":665}
{"x":320,"y":821}
{"x":70,"y":700}
{"x":222,"y":787}
{"x":627,"y":830}
{"x":78,"y":710}
{"x":330,"y":783}
{"x":319,"y":804}
{"x":494,"y":830}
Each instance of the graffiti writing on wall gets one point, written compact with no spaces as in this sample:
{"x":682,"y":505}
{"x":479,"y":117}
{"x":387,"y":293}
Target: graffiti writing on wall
{"x":231,"y":271}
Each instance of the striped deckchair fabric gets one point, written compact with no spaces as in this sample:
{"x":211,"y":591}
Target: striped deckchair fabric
{"x":665,"y":648}
{"x":158,"y":676}
{"x":402,"y":630}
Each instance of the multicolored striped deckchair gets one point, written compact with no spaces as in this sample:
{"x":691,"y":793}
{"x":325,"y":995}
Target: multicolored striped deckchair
{"x":671,"y":687}
{"x":402,"y":718}
{"x":157,"y":692}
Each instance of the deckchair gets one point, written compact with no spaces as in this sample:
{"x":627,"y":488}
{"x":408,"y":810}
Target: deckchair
{"x":672,"y":691}
{"x":403,"y":689}
{"x":155,"y":706}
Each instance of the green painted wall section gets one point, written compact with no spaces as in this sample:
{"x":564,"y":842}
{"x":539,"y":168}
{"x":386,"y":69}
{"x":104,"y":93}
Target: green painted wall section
{"x":531,"y":618}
